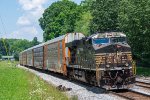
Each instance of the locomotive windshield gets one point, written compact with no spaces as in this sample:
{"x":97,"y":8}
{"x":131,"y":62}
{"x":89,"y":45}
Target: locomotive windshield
{"x":106,"y":40}
{"x":118,"y":39}
{"x":101,"y":41}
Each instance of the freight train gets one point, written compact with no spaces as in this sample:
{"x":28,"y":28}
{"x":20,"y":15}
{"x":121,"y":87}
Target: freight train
{"x":102,"y":59}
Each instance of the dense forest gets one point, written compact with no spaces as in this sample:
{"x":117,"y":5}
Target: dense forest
{"x":92,"y":16}
{"x":15,"y":46}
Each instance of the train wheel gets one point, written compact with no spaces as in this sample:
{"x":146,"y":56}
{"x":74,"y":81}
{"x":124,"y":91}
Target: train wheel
{"x":70,"y":75}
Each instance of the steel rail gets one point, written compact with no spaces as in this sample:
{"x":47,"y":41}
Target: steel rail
{"x":131,"y":95}
{"x":143,"y":84}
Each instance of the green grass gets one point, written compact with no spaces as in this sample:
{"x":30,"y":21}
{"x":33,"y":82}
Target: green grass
{"x":142,"y":71}
{"x":74,"y":98}
{"x":19,"y":84}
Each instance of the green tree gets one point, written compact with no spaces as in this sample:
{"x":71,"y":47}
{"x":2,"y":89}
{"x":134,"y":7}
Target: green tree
{"x":35,"y":41}
{"x":18,"y":46}
{"x":0,"y":56}
{"x":16,"y":56}
{"x":83,"y":24}
{"x":105,"y":15}
{"x":59,"y":19}
{"x":15,"y":46}
{"x":4,"y":47}
{"x":87,"y":4}
{"x":21,"y":45}
{"x":134,"y":20}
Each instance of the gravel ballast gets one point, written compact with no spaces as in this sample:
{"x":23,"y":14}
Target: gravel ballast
{"x":143,"y":79}
{"x":141,"y":89}
{"x":83,"y":92}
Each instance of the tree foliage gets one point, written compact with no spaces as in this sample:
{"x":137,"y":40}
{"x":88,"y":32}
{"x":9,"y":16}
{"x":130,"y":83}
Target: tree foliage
{"x":59,"y":19}
{"x":87,"y":4}
{"x":105,"y":14}
{"x":134,"y":20}
{"x":20,"y":45}
{"x":4,"y":47}
{"x":35,"y":41}
{"x":15,"y":46}
{"x":83,"y":24}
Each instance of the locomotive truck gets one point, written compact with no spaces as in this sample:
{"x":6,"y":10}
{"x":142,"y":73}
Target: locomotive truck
{"x":102,"y":59}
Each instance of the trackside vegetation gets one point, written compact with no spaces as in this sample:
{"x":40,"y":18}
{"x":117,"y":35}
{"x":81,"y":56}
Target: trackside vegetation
{"x":19,"y":84}
{"x":143,"y":71}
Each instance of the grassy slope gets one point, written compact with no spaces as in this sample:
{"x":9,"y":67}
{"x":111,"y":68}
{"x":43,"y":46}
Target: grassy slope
{"x":18,"y":84}
{"x":143,"y":71}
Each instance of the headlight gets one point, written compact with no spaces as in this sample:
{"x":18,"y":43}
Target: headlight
{"x":107,"y":66}
{"x":127,"y":64}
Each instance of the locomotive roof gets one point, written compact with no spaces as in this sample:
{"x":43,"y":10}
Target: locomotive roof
{"x":108,"y":34}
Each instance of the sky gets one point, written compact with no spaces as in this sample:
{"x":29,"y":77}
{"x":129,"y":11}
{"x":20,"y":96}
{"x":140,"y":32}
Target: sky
{"x":19,"y":18}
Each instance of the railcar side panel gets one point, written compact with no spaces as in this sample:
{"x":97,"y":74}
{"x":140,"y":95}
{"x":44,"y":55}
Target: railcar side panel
{"x":45,"y":56}
{"x":29,"y":58}
{"x":24,"y":58}
{"x":32,"y":57}
{"x":64,"y":57}
{"x":55,"y":56}
{"x":38,"y":57}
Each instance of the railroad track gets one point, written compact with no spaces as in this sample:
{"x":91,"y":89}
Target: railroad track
{"x":143,"y":84}
{"x":127,"y":94}
{"x":131,"y":95}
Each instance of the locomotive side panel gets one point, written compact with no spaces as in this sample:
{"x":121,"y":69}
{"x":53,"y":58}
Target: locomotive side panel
{"x":38,"y":57}
{"x":85,"y":57}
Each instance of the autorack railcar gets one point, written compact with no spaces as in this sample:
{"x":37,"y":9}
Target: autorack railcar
{"x":52,"y":55}
{"x":102,"y":59}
